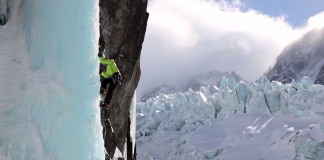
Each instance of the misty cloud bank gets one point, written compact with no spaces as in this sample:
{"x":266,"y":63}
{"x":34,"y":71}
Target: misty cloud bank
{"x":188,"y":37}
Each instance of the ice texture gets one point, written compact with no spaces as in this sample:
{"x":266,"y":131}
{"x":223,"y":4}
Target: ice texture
{"x":264,"y":120}
{"x":49,"y":82}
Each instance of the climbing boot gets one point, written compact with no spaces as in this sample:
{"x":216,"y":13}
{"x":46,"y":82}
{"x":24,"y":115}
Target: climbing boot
{"x":103,"y":90}
{"x":105,"y":106}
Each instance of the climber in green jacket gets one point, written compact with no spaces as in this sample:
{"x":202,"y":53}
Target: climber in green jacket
{"x":110,"y":76}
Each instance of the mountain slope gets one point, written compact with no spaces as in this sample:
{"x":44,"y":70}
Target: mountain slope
{"x":304,"y":57}
{"x":320,"y":77}
{"x":235,"y":121}
{"x":210,"y":78}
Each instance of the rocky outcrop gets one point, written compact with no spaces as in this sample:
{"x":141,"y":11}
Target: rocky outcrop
{"x":5,"y":11}
{"x":320,"y":77}
{"x":304,"y":57}
{"x":122,"y":30}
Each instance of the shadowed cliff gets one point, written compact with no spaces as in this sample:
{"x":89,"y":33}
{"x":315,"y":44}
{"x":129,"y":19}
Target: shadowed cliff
{"x":122,"y":30}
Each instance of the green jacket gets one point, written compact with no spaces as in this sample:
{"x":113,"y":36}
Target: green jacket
{"x":111,"y":67}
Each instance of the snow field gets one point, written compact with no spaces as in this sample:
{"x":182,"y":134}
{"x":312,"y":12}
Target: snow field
{"x":235,"y":121}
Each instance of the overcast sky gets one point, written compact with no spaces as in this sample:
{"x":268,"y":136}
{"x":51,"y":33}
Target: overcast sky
{"x":187,"y":37}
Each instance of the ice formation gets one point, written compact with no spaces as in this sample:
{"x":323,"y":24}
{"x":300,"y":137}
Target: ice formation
{"x":235,"y":121}
{"x":49,"y":82}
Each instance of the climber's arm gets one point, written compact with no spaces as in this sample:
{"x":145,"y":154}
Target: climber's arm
{"x":104,"y":61}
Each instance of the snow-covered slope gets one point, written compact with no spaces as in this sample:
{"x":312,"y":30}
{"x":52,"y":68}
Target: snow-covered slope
{"x":304,"y":57}
{"x":210,"y":78}
{"x":264,"y":120}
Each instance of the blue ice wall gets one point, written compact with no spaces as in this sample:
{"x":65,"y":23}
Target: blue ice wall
{"x":61,"y":92}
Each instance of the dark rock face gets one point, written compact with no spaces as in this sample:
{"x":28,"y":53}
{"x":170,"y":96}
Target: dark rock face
{"x":320,"y":77}
{"x":122,"y":30}
{"x":304,"y":57}
{"x":285,"y":77}
{"x":5,"y":11}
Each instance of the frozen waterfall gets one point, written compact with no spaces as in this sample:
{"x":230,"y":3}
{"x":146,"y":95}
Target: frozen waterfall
{"x":49,"y":82}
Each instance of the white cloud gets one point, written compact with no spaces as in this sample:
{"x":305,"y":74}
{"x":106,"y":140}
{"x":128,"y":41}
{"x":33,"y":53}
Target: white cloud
{"x":316,"y":21}
{"x":186,"y":37}
{"x":171,"y":23}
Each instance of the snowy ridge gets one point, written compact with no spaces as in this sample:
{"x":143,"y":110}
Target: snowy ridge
{"x":209,"y":78}
{"x":235,"y":121}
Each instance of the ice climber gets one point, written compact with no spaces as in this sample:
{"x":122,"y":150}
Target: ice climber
{"x":110,"y":75}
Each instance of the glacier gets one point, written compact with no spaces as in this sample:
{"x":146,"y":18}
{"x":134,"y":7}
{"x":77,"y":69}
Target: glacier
{"x":49,"y":81}
{"x":237,"y":120}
